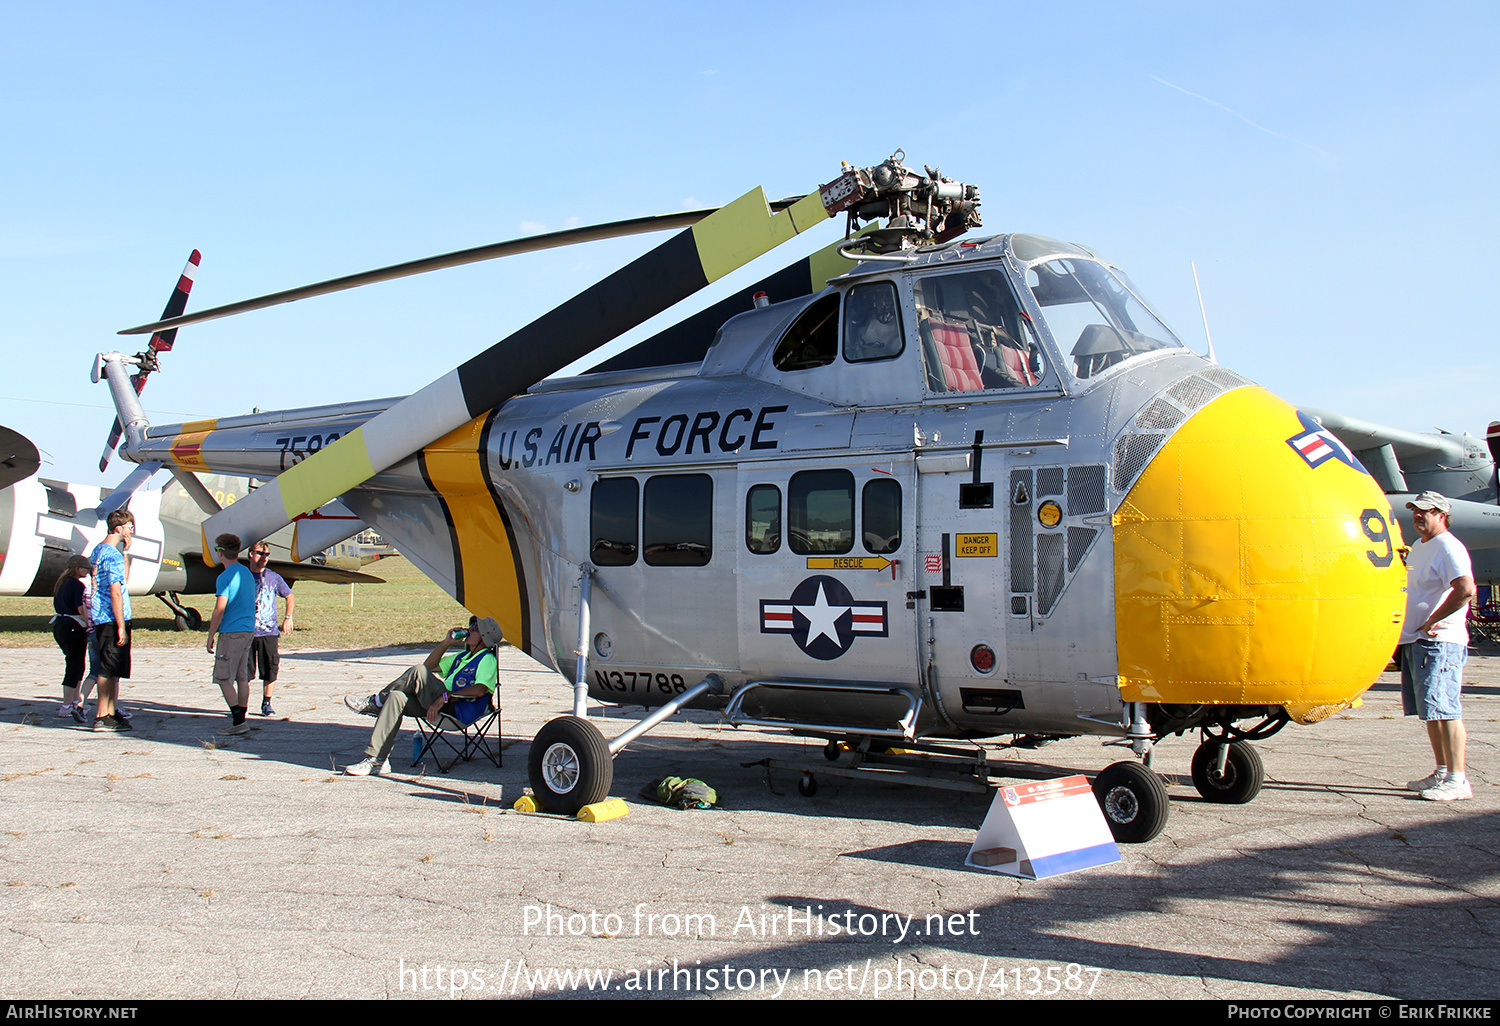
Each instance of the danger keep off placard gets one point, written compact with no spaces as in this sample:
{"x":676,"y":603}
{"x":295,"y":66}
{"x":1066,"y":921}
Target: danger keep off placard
{"x":1043,"y":828}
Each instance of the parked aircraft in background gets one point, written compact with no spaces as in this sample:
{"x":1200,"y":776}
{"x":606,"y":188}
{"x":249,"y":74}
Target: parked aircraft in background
{"x":1407,"y":463}
{"x":43,"y":522}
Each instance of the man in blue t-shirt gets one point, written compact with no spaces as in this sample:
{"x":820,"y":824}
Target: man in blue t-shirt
{"x":109,"y":613}
{"x":233,"y":622}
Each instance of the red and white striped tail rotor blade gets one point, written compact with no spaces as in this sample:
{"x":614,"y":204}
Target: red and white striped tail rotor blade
{"x":161,"y":342}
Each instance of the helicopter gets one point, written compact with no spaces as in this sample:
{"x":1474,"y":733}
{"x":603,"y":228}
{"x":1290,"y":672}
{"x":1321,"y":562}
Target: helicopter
{"x":913,"y":490}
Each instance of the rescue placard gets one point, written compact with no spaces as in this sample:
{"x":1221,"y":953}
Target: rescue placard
{"x":847,"y":562}
{"x":976,"y":545}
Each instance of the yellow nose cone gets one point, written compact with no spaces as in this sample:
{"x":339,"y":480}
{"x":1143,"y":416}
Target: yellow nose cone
{"x":1253,"y":571}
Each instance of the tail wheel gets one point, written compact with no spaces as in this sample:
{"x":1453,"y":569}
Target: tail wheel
{"x":1134,"y":801}
{"x":1239,"y":783}
{"x":570,"y":765}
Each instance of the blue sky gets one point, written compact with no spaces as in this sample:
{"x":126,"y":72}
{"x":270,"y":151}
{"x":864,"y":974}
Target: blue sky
{"x":1331,"y":168}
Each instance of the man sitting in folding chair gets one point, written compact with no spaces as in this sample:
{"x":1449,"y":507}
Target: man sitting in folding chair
{"x":455,"y":687}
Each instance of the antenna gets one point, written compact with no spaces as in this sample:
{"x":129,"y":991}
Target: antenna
{"x":1204,"y":310}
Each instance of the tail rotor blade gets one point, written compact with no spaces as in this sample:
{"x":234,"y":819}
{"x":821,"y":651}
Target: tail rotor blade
{"x":161,"y":342}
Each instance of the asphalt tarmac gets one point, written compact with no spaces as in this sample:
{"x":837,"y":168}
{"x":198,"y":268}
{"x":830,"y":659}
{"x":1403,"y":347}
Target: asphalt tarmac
{"x":175,"y":861}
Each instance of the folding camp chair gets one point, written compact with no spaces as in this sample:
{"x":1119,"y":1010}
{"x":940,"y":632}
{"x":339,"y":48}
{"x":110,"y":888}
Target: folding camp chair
{"x":464,"y":740}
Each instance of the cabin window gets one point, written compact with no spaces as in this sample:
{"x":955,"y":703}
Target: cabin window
{"x":763,"y":519}
{"x":974,"y":334}
{"x":677,"y":523}
{"x":820,"y":511}
{"x":1097,"y":313}
{"x":881,"y":515}
{"x":614,"y":521}
{"x":872,"y":323}
{"x":813,"y":338}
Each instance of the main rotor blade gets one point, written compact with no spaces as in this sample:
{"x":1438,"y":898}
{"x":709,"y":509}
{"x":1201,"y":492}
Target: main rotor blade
{"x":529,"y":244}
{"x":688,"y":261}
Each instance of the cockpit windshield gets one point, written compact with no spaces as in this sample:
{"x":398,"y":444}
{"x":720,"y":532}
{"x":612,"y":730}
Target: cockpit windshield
{"x":1095,"y":315}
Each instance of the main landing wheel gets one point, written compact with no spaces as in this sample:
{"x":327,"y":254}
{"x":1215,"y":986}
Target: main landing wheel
{"x":569,"y":765}
{"x":1239,"y":783}
{"x":188,"y":620}
{"x":1134,"y":800}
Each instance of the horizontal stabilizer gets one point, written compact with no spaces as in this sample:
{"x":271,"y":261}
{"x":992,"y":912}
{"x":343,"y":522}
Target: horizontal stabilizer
{"x":19,"y":458}
{"x":294,"y":572}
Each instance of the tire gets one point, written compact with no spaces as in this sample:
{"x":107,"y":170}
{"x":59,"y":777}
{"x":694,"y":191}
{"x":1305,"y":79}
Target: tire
{"x":194,"y":619}
{"x":807,"y":785}
{"x":569,"y":765}
{"x":179,"y":623}
{"x":1243,"y":773}
{"x":1134,"y":801}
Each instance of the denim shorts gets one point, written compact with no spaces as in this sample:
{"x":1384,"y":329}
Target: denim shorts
{"x":1432,"y":674}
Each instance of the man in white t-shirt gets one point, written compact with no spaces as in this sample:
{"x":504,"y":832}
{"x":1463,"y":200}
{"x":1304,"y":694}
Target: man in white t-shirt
{"x":1435,"y":644}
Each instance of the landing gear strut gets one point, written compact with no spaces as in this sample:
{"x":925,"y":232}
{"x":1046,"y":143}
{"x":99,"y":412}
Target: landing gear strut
{"x":184,"y":618}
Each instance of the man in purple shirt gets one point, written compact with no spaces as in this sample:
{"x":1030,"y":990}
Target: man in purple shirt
{"x":265,"y":654}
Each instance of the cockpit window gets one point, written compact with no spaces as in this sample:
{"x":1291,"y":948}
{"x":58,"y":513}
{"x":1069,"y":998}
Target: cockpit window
{"x":974,"y":334}
{"x":813,"y":338}
{"x":1095,"y":315}
{"x":872,"y":323}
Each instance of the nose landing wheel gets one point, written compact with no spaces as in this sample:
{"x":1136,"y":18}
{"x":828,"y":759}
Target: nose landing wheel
{"x":1227,"y":774}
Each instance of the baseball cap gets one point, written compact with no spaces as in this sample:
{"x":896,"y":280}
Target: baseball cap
{"x":1430,"y":500}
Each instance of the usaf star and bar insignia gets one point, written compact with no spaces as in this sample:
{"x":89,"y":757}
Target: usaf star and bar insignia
{"x":823,"y":618}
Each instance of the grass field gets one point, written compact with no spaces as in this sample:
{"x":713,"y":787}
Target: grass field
{"x":406,"y":610}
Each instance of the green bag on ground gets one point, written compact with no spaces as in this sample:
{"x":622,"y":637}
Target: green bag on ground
{"x":682,"y":793}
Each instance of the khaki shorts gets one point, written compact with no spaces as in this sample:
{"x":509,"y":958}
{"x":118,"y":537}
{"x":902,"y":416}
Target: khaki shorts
{"x":232,"y":658}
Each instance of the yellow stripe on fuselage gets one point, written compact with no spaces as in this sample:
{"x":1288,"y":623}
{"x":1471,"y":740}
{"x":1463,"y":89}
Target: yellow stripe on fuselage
{"x":492,"y":582}
{"x":1245,"y":576}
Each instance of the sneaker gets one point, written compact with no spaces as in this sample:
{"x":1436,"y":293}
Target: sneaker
{"x":368,"y":766}
{"x":66,"y":709}
{"x":366,"y":706}
{"x":265,"y":708}
{"x":1432,"y":779}
{"x":242,"y":727}
{"x":1449,"y":790}
{"x":124,"y":714}
{"x":79,"y":714}
{"x":102,"y":723}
